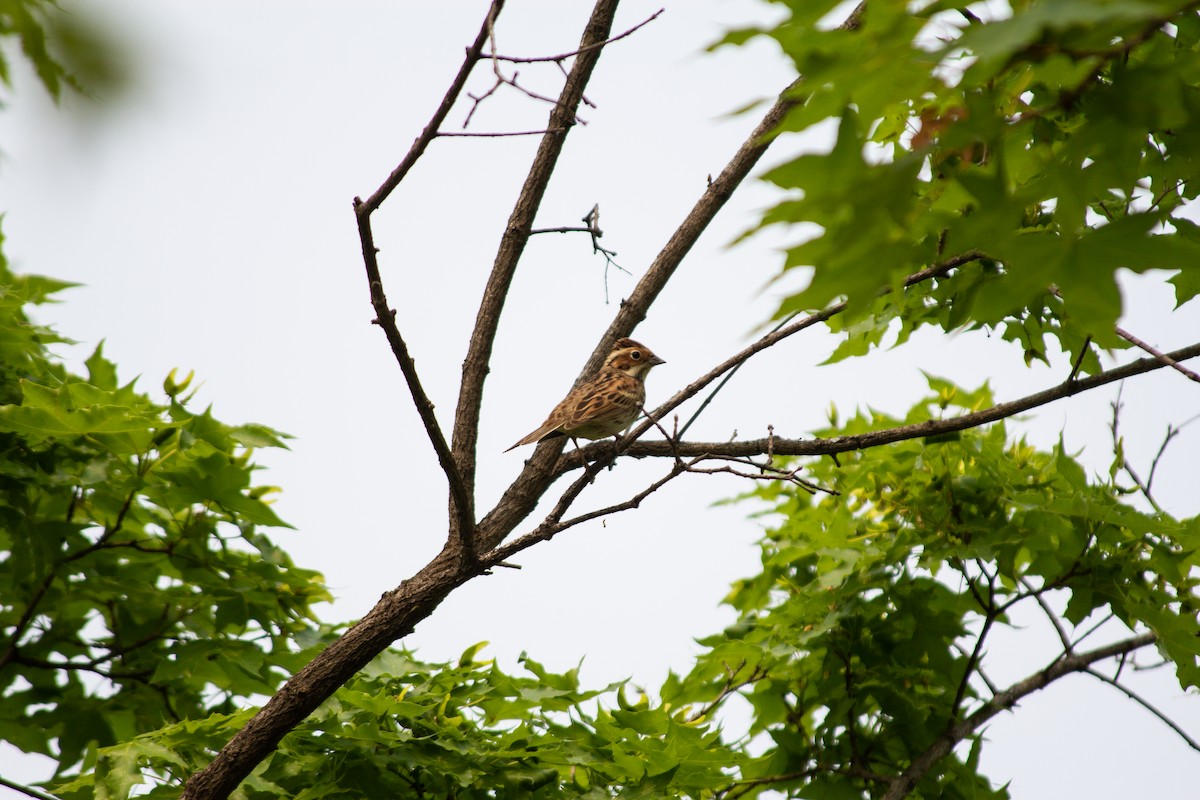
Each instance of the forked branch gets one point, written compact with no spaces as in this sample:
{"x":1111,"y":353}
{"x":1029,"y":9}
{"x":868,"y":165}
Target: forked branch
{"x":903,"y":784}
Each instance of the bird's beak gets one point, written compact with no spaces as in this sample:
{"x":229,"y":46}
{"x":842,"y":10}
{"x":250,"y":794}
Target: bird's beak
{"x":655,"y":361}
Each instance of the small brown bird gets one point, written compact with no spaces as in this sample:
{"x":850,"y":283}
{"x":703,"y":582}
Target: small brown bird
{"x":607,"y":403}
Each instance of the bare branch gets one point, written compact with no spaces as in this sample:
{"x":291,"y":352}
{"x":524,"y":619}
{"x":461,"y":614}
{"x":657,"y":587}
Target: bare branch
{"x":732,"y":684}
{"x":430,"y":131}
{"x":1163,"y":357}
{"x":472,"y":134}
{"x":462,"y":505}
{"x":461,"y":493}
{"x":512,"y":245}
{"x":1146,"y":704}
{"x":511,"y":80}
{"x":29,"y":791}
{"x":1172,"y":432}
{"x":1050,"y":615}
{"x":902,"y":784}
{"x":554,"y":524}
{"x":558,"y":59}
{"x":842,"y":444}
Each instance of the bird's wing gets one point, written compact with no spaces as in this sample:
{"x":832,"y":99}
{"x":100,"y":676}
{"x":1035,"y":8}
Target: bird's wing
{"x":613,"y":399}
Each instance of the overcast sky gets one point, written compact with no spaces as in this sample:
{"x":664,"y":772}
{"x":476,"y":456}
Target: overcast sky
{"x":208,"y":213}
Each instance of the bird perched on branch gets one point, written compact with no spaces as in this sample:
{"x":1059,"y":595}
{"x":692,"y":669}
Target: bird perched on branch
{"x":607,"y":403}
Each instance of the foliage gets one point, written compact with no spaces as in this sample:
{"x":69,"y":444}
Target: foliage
{"x":1043,"y":150}
{"x":862,"y":640}
{"x":857,"y":646}
{"x":65,"y":49}
{"x":407,"y":729}
{"x":138,"y":587}
{"x":1018,"y":161}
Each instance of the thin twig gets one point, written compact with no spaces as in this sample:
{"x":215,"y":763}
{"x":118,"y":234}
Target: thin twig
{"x":472,"y":134}
{"x":732,"y":685}
{"x":1146,"y":704}
{"x":1083,"y":351}
{"x":439,"y":116}
{"x":932,"y":271}
{"x":558,"y":59}
{"x":1161,"y":356}
{"x":962,"y":651}
{"x":728,"y":377}
{"x":1172,"y":432}
{"x":568,"y":229}
{"x":1050,"y":615}
{"x":553,"y":524}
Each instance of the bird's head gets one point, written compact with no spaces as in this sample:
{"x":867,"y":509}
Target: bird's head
{"x":632,"y":358}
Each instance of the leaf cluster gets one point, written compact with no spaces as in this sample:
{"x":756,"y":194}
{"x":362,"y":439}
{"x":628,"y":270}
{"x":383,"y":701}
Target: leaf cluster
{"x":863,"y":639}
{"x":410,"y":729}
{"x":1038,"y":150}
{"x":67,"y":50}
{"x":137,"y":586}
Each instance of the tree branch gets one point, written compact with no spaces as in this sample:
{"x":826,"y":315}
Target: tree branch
{"x":564,"y":56}
{"x":474,"y":53}
{"x":26,"y":790}
{"x":540,"y":471}
{"x":842,"y":444}
{"x":904,"y":783}
{"x":1146,"y":704}
{"x":516,"y":235}
{"x":1163,"y":357}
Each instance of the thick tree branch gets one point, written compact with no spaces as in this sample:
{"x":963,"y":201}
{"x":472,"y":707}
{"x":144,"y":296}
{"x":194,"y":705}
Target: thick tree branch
{"x":902,"y":784}
{"x":398,"y":611}
{"x":539,"y":472}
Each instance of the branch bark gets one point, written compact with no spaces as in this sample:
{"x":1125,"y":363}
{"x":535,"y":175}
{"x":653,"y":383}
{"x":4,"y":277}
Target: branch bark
{"x":904,"y":783}
{"x":842,"y":444}
{"x":523,"y":494}
{"x":398,"y":611}
{"x":516,"y":235}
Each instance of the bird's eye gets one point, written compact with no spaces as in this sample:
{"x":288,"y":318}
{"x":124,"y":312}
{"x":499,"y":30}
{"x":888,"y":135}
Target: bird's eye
{"x":636,"y":355}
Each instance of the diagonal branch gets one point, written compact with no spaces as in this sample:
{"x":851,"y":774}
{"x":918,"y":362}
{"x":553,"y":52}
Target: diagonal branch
{"x":516,"y":235}
{"x":1163,"y":357}
{"x":462,"y":505}
{"x":904,"y":783}
{"x":1146,"y":704}
{"x":539,"y":472}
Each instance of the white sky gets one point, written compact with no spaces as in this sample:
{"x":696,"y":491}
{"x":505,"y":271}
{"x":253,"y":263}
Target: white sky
{"x":209,"y":215}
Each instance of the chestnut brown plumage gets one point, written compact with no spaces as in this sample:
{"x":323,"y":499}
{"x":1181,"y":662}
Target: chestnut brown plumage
{"x":607,"y":403}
